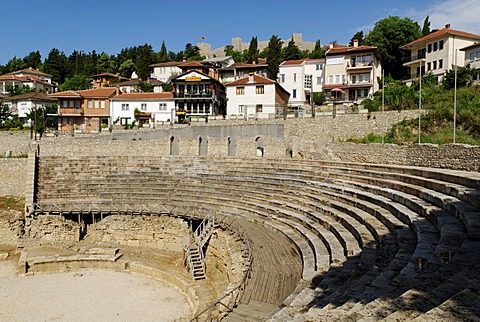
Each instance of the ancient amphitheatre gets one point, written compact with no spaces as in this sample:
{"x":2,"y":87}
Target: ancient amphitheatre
{"x":294,"y":225}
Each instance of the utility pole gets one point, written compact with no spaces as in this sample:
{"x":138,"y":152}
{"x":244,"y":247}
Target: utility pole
{"x":383,"y":105}
{"x":455,"y":100}
{"x":420,"y":102}
{"x":312,"y":102}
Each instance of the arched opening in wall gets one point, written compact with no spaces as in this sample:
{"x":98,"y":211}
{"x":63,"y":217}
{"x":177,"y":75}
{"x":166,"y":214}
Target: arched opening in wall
{"x":232,"y":147}
{"x":202,"y":146}
{"x":174,"y":146}
{"x":260,"y":146}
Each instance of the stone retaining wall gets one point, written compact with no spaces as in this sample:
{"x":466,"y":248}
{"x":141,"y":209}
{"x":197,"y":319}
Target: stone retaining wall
{"x":13,"y":173}
{"x":53,"y":228}
{"x":162,"y":233}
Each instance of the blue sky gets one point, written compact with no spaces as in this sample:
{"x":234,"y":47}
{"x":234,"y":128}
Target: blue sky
{"x":109,"y":26}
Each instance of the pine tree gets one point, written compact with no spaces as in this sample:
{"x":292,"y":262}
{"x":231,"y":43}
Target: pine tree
{"x":253,"y":51}
{"x":291,"y":52}
{"x":426,"y":26}
{"x":163,"y":54}
{"x":359,"y":37}
{"x":274,"y":52}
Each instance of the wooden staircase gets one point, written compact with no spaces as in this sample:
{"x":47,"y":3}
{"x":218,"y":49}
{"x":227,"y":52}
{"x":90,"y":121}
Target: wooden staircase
{"x":193,"y":248}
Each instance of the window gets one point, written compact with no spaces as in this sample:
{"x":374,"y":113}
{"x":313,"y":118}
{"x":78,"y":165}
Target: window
{"x":241,"y":109}
{"x":330,"y":79}
{"x":435,"y":65}
{"x":294,"y":77}
{"x":337,"y":79}
{"x":354,"y":79}
{"x":90,"y":104}
{"x":89,"y":121}
{"x":95,"y":103}
{"x":440,"y":45}
{"x":125,"y":107}
{"x":161,"y":106}
{"x":429,"y":48}
{"x":294,"y":93}
{"x":143,"y":107}
{"x":319,"y":66}
{"x":440,"y":63}
{"x":65,"y":103}
{"x":429,"y":66}
{"x":307,"y":83}
{"x":77,"y":104}
{"x":319,"y":80}
{"x":259,"y":89}
{"x":472,"y":56}
{"x":71,"y":104}
{"x":102,"y":104}
{"x":259,"y":108}
{"x":477,"y":56}
{"x":241,"y":90}
{"x":435,"y":46}
{"x":282,"y":78}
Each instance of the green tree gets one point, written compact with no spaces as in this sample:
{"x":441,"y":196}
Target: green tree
{"x":42,"y":118}
{"x":465,"y":77}
{"x":163,"y":54}
{"x":5,"y":113}
{"x":77,"y":82}
{"x":127,"y":68}
{"x":274,"y":55}
{"x":388,"y":36}
{"x":145,"y":87}
{"x":426,"y":26}
{"x":291,"y":52}
{"x":55,"y":65}
{"x":15,"y":64}
{"x":33,"y":60}
{"x":252,"y":54}
{"x":105,"y":63}
{"x":237,"y":56}
{"x":143,"y":60}
{"x":318,"y":51}
{"x":18,"y":90}
{"x":358,"y":36}
{"x":192,"y":52}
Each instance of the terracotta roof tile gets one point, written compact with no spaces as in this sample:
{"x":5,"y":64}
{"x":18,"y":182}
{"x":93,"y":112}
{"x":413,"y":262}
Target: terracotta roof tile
{"x":257,"y":80}
{"x":167,"y":64}
{"x":24,"y":79}
{"x":139,"y":96}
{"x":348,"y":50}
{"x":191,"y":64}
{"x":293,"y":62}
{"x":32,"y":96}
{"x":29,"y":71}
{"x":102,"y":92}
{"x":442,"y":33}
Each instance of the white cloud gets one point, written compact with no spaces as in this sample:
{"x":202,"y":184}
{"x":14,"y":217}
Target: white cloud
{"x":461,"y":14}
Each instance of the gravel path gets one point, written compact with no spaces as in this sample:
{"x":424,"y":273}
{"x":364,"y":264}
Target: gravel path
{"x":87,"y":295}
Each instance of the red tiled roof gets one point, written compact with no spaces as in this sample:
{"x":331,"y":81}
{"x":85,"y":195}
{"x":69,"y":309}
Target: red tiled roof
{"x":24,"y":79}
{"x":293,"y":62}
{"x":30,"y":71}
{"x":139,"y":96}
{"x":348,"y":50}
{"x":257,"y":80}
{"x":102,"y":92}
{"x":137,"y":81}
{"x":442,"y":33}
{"x":32,"y":96}
{"x":191,"y":64}
{"x":167,"y":64}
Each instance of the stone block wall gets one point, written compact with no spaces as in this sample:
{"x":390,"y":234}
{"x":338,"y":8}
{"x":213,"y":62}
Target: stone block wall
{"x":53,"y":228}
{"x":158,"y":232}
{"x":13,"y":173}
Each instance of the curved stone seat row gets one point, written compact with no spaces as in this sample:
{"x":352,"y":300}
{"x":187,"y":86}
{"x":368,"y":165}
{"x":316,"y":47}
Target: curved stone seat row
{"x":371,"y":234}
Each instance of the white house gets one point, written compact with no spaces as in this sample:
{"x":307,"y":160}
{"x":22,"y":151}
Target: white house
{"x":30,"y":77}
{"x":152,"y":108}
{"x":132,"y":86}
{"x":255,"y":96}
{"x":22,"y":104}
{"x":437,"y":52}
{"x":298,"y":76}
{"x":163,"y":71}
{"x":472,"y":58}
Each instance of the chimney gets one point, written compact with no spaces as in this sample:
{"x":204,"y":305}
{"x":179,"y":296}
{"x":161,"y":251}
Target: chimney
{"x":331,"y":45}
{"x":184,"y":59}
{"x":250,"y":78}
{"x":355,"y":43}
{"x":447,"y":26}
{"x":117,"y":90}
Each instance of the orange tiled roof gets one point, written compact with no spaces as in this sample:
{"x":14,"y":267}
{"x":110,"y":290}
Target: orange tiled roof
{"x":191,"y":64}
{"x":350,"y":49}
{"x":32,"y":96}
{"x":442,"y":33}
{"x":25,"y":79}
{"x":294,"y":62}
{"x":102,"y":92}
{"x":134,"y":96}
{"x":257,"y":80}
{"x":167,"y":64}
{"x":29,"y":71}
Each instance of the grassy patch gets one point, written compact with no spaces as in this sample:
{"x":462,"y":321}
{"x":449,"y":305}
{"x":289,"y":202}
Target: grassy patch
{"x":13,"y":203}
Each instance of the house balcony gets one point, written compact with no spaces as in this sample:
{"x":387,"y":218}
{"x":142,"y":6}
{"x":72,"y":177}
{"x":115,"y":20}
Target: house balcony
{"x":356,"y":66}
{"x":62,"y":111}
{"x":414,"y":60}
{"x":193,"y":95}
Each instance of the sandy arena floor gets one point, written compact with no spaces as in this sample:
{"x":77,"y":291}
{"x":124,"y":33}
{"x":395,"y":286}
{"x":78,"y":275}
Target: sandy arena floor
{"x":87,"y":295}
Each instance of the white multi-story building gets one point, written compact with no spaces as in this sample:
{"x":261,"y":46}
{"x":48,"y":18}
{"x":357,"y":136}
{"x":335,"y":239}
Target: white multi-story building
{"x":152,"y":108}
{"x":30,"y":77}
{"x":472,"y":58}
{"x":23,"y":104}
{"x":255,"y":96}
{"x":351,"y":73}
{"x":298,"y":77}
{"x":163,"y":71}
{"x":437,"y":52}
